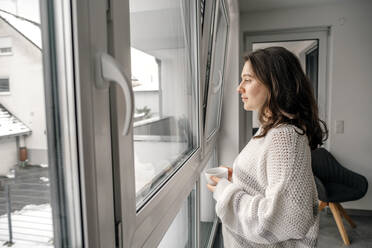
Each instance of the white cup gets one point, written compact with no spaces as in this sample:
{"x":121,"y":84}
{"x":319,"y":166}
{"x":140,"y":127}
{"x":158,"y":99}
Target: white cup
{"x":220,"y":172}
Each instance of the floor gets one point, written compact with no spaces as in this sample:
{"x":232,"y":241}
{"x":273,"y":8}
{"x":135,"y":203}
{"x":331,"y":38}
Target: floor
{"x":329,"y":237}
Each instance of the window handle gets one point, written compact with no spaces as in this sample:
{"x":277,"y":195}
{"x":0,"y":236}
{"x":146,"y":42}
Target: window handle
{"x":108,"y":70}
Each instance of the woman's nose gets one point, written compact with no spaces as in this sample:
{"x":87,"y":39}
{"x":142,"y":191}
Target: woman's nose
{"x":240,"y":89}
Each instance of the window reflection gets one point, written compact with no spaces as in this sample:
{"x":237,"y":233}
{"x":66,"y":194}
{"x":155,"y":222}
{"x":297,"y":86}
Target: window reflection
{"x":215,"y":84}
{"x":164,"y":85}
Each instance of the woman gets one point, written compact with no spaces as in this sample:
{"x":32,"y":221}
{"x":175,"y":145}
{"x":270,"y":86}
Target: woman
{"x":270,"y":198}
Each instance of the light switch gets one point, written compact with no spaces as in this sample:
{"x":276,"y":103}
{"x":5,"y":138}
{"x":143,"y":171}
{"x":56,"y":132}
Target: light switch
{"x":339,"y":126}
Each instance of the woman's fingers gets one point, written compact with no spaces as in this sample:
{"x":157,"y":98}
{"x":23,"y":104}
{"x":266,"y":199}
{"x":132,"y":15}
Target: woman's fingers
{"x":215,"y":179}
{"x":211,"y":188}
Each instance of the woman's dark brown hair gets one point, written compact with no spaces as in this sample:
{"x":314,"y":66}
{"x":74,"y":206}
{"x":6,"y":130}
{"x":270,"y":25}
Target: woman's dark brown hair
{"x":291,"y":98}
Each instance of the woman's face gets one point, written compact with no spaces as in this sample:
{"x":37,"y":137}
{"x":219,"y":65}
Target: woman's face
{"x":253,"y":92}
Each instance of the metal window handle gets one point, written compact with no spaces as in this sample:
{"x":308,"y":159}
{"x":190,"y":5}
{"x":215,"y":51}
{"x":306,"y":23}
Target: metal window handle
{"x":108,"y":70}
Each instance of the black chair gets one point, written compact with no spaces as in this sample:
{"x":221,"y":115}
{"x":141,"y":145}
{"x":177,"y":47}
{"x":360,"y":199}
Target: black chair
{"x":336,"y":184}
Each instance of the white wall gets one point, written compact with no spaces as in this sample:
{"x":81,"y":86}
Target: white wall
{"x":8,"y":154}
{"x":149,"y":99}
{"x":26,"y":99}
{"x":174,"y":82}
{"x":350,"y":74}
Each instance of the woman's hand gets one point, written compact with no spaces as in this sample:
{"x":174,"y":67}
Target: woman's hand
{"x":214,"y":179}
{"x":217,"y":179}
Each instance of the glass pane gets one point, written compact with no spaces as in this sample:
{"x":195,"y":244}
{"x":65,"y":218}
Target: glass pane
{"x":215,"y":86}
{"x":25,"y":192}
{"x":165,"y":89}
{"x":207,"y":204}
{"x":181,"y":233}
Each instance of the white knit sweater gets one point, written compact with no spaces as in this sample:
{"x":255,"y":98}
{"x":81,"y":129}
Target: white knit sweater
{"x":272,"y":201}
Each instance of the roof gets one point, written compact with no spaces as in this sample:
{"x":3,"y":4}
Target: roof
{"x":11,"y":125}
{"x":27,"y":28}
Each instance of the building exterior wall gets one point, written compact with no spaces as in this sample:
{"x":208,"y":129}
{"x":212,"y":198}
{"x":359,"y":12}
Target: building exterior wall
{"x":26,"y":99}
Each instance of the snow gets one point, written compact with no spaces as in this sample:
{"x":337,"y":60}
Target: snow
{"x":32,"y":227}
{"x":44,"y":179}
{"x":10,"y":125}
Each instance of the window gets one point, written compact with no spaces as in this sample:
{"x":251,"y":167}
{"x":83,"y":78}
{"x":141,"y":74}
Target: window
{"x":5,"y":45}
{"x":181,"y":233}
{"x":4,"y":85}
{"x":214,"y":85}
{"x":165,"y":90}
{"x":157,"y":162}
{"x":36,"y":148}
{"x":5,"y":50}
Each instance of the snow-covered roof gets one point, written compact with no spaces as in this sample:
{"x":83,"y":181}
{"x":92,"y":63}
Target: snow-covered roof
{"x":11,"y":125}
{"x":29,"y":29}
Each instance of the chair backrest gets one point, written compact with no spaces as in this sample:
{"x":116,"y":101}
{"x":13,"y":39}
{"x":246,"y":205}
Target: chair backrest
{"x":329,"y":170}
{"x":323,"y":164}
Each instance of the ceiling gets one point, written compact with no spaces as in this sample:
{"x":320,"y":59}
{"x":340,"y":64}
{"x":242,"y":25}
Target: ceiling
{"x":264,"y":5}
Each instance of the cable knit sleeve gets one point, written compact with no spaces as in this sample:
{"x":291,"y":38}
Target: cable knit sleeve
{"x":287,"y":208}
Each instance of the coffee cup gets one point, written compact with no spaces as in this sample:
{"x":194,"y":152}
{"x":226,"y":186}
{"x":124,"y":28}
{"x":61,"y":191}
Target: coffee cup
{"x":220,"y":172}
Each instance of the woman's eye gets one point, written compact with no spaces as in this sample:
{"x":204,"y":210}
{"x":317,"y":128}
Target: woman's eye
{"x":248,"y":80}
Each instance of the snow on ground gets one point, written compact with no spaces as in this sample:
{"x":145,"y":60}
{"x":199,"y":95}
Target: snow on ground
{"x":32,"y":227}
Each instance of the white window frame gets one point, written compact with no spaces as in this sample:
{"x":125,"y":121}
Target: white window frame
{"x":314,"y":33}
{"x":89,"y":38}
{"x":61,"y":122}
{"x":210,"y":140}
{"x":146,"y":227}
{"x":110,"y":217}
